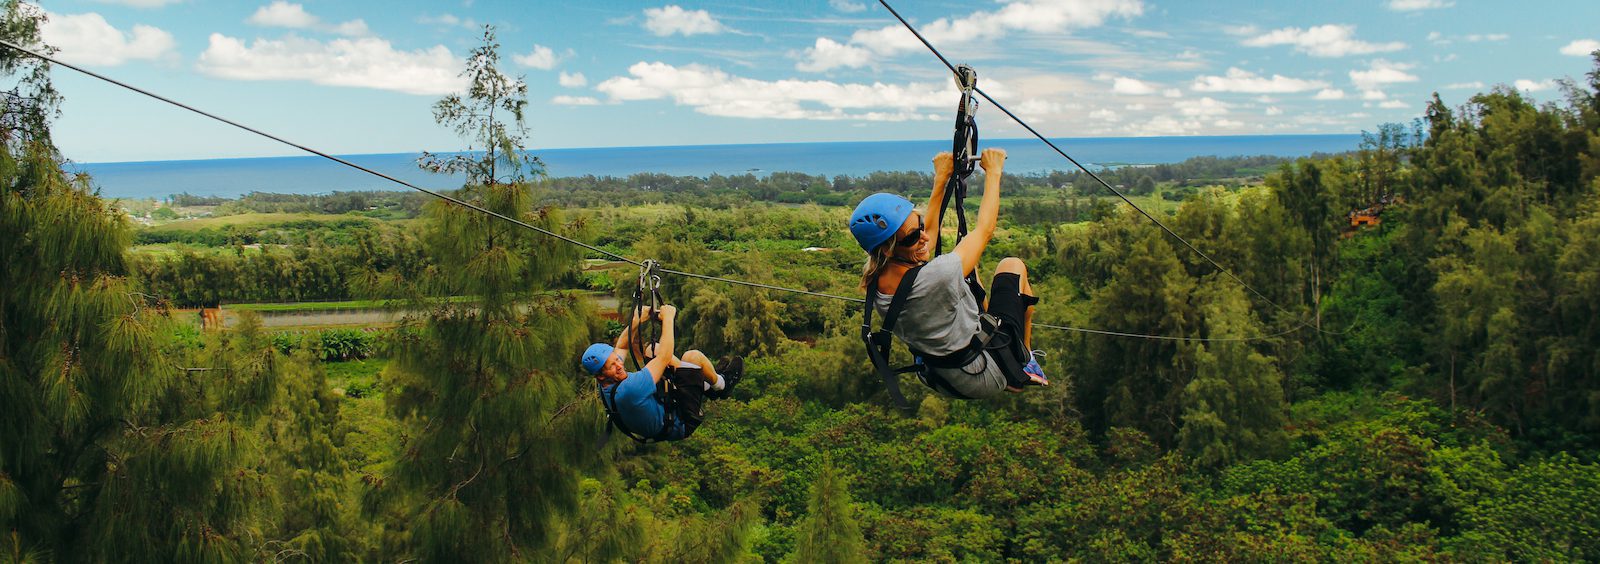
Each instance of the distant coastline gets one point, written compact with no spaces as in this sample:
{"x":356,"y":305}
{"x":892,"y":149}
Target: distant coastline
{"x":311,"y":175}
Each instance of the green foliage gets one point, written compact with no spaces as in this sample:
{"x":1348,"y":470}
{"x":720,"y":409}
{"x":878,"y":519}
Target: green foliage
{"x":829,"y":532}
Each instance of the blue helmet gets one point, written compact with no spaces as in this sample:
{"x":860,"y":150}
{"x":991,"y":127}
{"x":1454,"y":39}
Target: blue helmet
{"x":596,"y":356}
{"x":877,"y":218}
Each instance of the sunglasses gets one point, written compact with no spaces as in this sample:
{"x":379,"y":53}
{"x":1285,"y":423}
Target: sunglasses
{"x":915,"y":236}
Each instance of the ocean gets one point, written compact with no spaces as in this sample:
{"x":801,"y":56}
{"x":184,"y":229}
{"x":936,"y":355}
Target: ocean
{"x":315,"y":175}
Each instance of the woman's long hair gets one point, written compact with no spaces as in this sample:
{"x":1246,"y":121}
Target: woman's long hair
{"x":877,"y":259}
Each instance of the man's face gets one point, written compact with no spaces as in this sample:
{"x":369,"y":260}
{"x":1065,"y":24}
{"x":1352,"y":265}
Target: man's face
{"x":612,"y":371}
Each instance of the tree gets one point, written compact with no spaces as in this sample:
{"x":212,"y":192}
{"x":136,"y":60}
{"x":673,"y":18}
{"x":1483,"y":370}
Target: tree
{"x":490,"y":118}
{"x":829,"y":532}
{"x":492,"y":456}
{"x":108,"y":451}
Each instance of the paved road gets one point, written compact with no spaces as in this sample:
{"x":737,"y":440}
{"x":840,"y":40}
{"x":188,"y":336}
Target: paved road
{"x":355,"y":317}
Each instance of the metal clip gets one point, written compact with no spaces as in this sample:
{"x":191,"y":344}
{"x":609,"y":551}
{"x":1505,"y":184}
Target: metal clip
{"x":966,"y":79}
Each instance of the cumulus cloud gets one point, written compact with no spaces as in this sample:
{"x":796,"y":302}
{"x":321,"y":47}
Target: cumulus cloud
{"x":1019,"y":16}
{"x":1534,"y":86}
{"x":1323,"y":41}
{"x":1104,"y":114}
{"x":1478,"y":38}
{"x":1132,"y":87}
{"x":1246,"y":82}
{"x":1373,"y":95}
{"x":1581,"y":48}
{"x":711,"y":91}
{"x":1394,"y":105}
{"x":827,"y":54}
{"x":90,"y":40}
{"x":671,"y":19}
{"x":1274,"y":111}
{"x":1329,"y":94}
{"x":574,"y":101}
{"x":541,"y":57}
{"x":847,"y":6}
{"x":1164,"y":126}
{"x":1380,"y":73}
{"x":448,"y":20}
{"x":360,"y":62}
{"x":572,"y":80}
{"x":1474,"y":85}
{"x":294,"y":16}
{"x":1414,"y":5}
{"x":1228,"y":124}
{"x":1204,"y":107}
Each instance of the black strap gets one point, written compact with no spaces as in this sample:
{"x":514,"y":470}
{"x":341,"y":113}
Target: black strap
{"x":878,"y":343}
{"x":668,"y":407}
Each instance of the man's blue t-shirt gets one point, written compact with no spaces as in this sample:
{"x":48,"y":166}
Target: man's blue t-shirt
{"x":636,"y":405}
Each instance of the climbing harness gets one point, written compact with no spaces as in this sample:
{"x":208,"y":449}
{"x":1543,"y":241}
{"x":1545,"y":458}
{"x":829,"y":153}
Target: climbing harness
{"x":675,"y":409}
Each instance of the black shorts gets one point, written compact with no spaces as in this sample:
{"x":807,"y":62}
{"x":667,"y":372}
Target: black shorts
{"x":1007,"y":302}
{"x":689,"y":393}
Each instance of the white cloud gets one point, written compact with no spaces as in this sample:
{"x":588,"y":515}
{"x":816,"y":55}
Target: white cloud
{"x":1018,"y":16}
{"x":541,"y":57}
{"x":360,"y":62}
{"x":448,"y":20}
{"x":1474,"y":85}
{"x":90,"y":40}
{"x":1104,"y":114}
{"x":1037,"y":107}
{"x":847,"y":6}
{"x":283,"y":14}
{"x":1323,"y":41}
{"x":1477,"y":38}
{"x":1329,"y":94}
{"x":1374,"y":95}
{"x":1165,"y":125}
{"x":1394,"y":105}
{"x":671,"y":19}
{"x":1130,"y":86}
{"x":1533,"y":86}
{"x":711,"y":91}
{"x":1274,"y":111}
{"x":828,"y":54}
{"x":1227,"y":123}
{"x":294,"y":16}
{"x":1266,"y":99}
{"x":1381,"y":72}
{"x":572,"y":80}
{"x":1414,"y":5}
{"x":1134,"y":107}
{"x":1172,"y":93}
{"x":1243,"y":81}
{"x":574,"y":101}
{"x":141,"y":3}
{"x":1202,"y":108}
{"x":1581,"y":48}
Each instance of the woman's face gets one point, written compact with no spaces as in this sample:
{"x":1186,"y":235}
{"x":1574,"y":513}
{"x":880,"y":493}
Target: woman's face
{"x":911,"y":241}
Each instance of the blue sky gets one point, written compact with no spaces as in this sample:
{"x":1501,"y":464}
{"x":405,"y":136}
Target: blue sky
{"x":359,"y":76}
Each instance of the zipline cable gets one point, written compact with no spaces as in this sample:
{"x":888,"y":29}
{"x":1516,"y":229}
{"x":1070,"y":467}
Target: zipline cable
{"x":601,"y":251}
{"x":1080,"y":166}
{"x":450,"y":199}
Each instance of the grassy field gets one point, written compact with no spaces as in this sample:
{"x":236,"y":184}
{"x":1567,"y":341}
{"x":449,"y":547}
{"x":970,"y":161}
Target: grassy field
{"x":247,"y":220}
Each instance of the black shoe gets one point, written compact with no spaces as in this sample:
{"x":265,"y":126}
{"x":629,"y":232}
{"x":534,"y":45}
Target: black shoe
{"x":731,"y":369}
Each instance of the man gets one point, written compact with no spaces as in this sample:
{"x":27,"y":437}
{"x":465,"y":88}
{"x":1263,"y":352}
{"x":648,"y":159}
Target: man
{"x":639,"y":403}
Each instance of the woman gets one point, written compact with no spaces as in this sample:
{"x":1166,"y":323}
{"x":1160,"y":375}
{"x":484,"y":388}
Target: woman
{"x":965,"y":354}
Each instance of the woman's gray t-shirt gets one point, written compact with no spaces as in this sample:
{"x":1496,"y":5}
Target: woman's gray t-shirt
{"x":941,"y":317}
